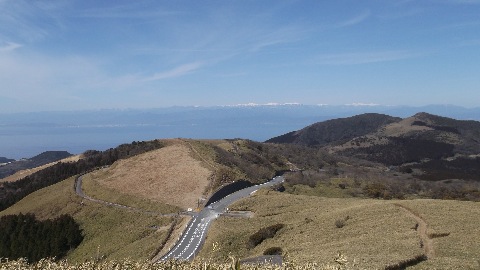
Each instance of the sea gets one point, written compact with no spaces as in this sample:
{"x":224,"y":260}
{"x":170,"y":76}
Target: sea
{"x":24,"y":135}
{"x":26,"y":142}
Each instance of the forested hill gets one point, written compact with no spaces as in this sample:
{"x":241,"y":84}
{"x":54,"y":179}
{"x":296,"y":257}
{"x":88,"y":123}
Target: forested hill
{"x":5,"y":160}
{"x":335,"y":130}
{"x":36,"y":161}
{"x":438,"y":147}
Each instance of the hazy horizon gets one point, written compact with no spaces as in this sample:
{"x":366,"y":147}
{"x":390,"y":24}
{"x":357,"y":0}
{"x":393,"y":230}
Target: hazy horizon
{"x":250,"y":104}
{"x":25,"y":135}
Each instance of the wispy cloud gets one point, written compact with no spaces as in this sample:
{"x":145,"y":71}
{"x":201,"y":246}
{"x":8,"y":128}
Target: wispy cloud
{"x":124,"y":12}
{"x":355,"y":20}
{"x":282,"y":35}
{"x":28,"y":21}
{"x":360,"y":104}
{"x":175,"y":72}
{"x":364,"y":57}
{"x":9,"y":46}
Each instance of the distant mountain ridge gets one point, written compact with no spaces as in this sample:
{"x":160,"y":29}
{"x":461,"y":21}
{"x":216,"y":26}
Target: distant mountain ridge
{"x":442,"y":147}
{"x":334,"y":130}
{"x":36,"y":161}
{"x":5,"y":160}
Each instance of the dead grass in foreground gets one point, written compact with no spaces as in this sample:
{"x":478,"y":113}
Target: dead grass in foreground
{"x":170,"y":175}
{"x":171,"y":265}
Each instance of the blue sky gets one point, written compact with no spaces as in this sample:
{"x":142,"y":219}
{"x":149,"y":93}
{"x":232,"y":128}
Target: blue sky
{"x":76,"y":55}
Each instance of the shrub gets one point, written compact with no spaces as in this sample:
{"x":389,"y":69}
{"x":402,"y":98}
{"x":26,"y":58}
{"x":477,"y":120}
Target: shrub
{"x":340,"y":223}
{"x":406,"y":263}
{"x":375,"y":190}
{"x":273,"y":251}
{"x":438,"y":235}
{"x":262,"y":234}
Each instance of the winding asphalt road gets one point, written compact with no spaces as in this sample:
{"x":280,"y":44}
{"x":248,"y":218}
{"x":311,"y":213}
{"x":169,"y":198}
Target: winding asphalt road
{"x":194,"y":235}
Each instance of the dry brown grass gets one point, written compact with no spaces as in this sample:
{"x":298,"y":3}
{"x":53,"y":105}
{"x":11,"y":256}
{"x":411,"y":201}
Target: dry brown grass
{"x":403,"y":127}
{"x":376,"y":233}
{"x":24,"y":173}
{"x":170,"y":175}
{"x":173,"y":238}
{"x":457,"y":222}
{"x":170,"y":265}
{"x":110,"y":233}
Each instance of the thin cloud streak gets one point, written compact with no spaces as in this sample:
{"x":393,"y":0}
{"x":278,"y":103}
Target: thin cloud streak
{"x":176,"y":72}
{"x":355,"y":20}
{"x":364,"y":57}
{"x":288,"y":34}
{"x":122,"y":14}
{"x":28,"y":21}
{"x":10,"y":46}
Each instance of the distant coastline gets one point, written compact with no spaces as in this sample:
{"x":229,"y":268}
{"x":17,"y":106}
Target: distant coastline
{"x":23,"y":135}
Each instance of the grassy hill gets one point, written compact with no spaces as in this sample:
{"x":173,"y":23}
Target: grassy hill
{"x":338,"y":225}
{"x":154,"y":181}
{"x":374,"y":234}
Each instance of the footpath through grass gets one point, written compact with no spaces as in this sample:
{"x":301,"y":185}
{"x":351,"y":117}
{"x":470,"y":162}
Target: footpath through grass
{"x":370,"y":234}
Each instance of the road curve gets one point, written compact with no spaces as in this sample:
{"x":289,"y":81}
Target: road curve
{"x":193,"y":237}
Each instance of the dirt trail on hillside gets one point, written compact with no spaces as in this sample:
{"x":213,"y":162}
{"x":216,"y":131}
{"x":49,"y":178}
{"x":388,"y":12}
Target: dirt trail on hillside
{"x":422,"y":231}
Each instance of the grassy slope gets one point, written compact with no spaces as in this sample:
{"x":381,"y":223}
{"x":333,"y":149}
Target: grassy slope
{"x":461,"y":248}
{"x":377,"y":233}
{"x":168,"y":175}
{"x":109,"y":233}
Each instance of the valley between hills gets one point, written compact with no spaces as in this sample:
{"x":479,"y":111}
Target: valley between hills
{"x":365,"y":192}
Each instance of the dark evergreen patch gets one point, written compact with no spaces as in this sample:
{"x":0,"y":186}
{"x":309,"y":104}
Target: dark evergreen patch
{"x":23,"y":236}
{"x":403,"y":150}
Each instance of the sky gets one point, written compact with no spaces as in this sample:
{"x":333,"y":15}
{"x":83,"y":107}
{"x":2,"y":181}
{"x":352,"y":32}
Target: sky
{"x":90,"y":54}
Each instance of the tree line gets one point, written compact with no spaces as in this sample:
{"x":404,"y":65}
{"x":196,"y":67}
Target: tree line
{"x":23,"y":236}
{"x":12,"y":192}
